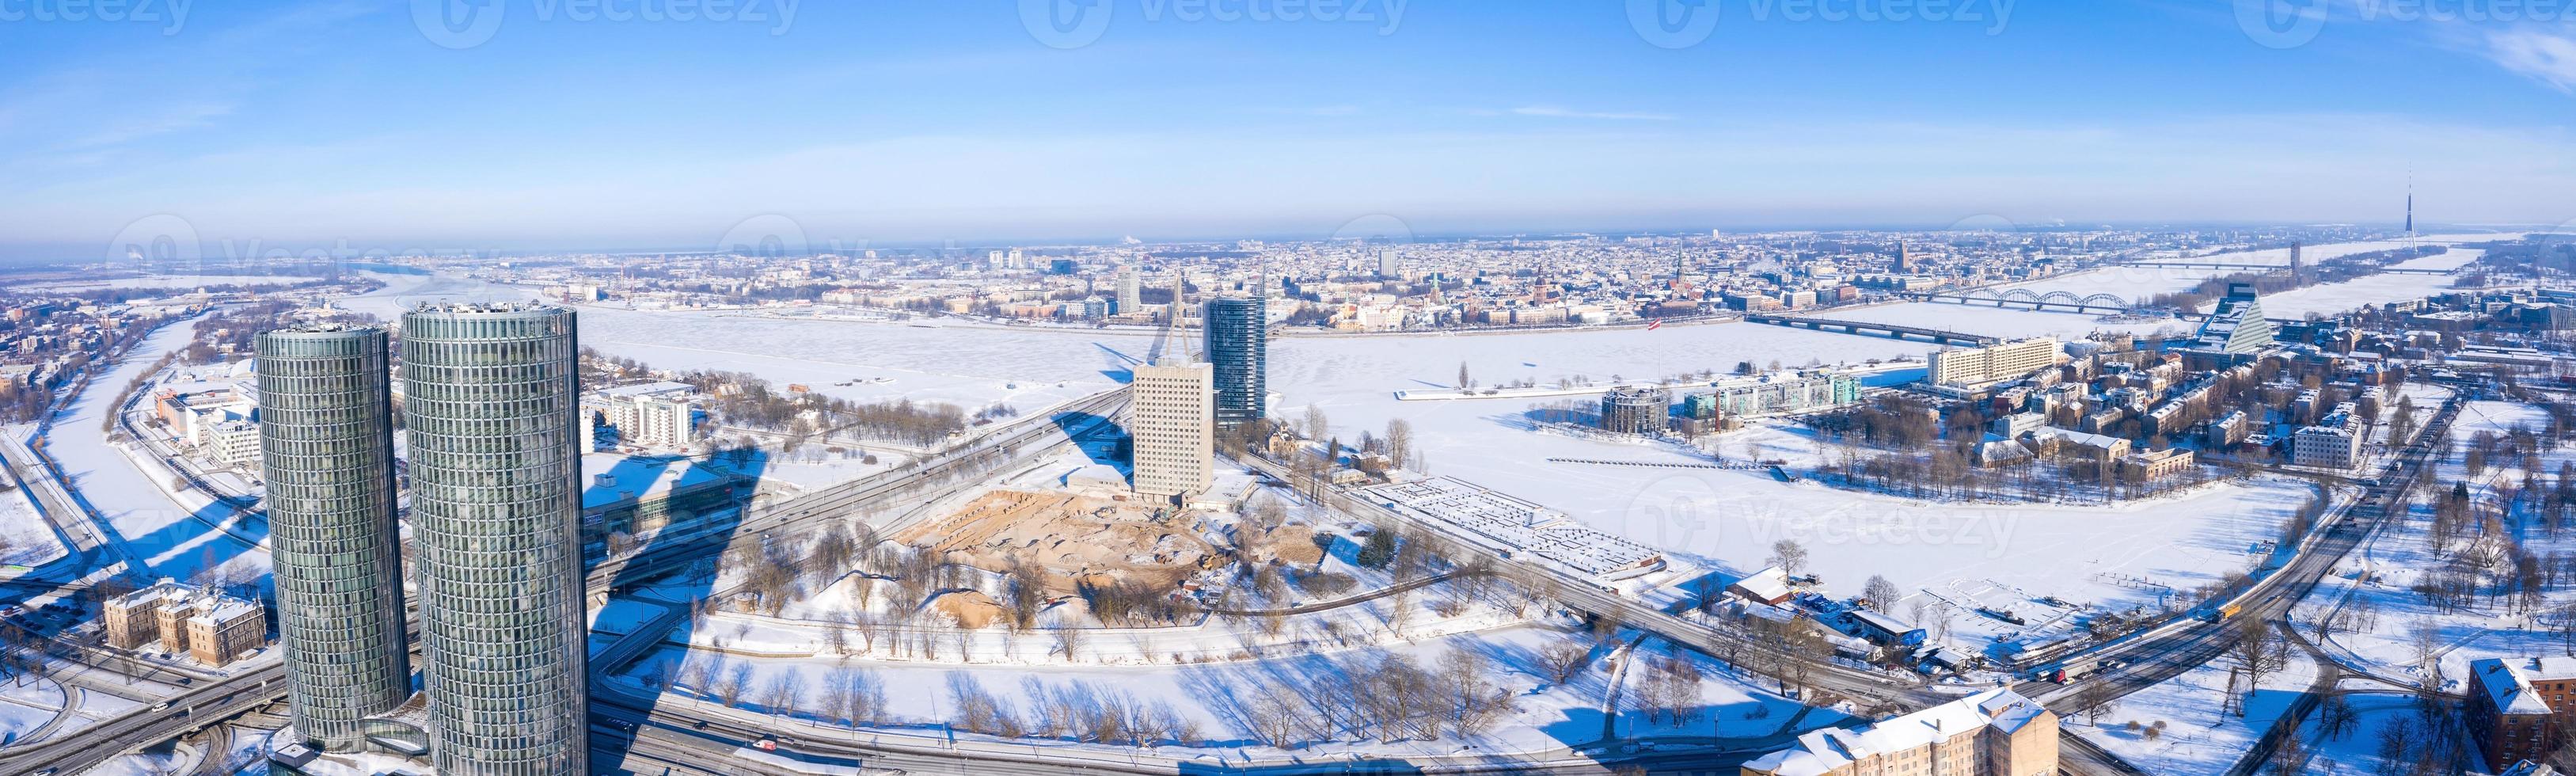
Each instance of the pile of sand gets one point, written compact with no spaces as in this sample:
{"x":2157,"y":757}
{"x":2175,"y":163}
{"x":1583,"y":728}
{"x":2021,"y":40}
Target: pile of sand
{"x":968,"y":608}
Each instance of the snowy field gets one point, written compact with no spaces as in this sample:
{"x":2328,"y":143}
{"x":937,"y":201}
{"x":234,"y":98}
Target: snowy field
{"x":171,"y":537}
{"x":932,"y":360}
{"x":2196,"y":737}
{"x":25,"y":708}
{"x":1215,"y":698}
{"x":30,"y":541}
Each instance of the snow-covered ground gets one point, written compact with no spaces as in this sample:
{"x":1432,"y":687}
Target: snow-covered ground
{"x":31,"y":541}
{"x":1214,"y":697}
{"x":171,"y":535}
{"x":26,"y":707}
{"x":2197,"y":737}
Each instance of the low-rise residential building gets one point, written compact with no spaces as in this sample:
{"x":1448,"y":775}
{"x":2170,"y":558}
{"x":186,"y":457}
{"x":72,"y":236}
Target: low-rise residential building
{"x":2334,"y":443}
{"x":2227,"y":430}
{"x":234,"y":443}
{"x":2517,"y":708}
{"x":2155,"y":464}
{"x":213,"y":628}
{"x":1993,"y":733}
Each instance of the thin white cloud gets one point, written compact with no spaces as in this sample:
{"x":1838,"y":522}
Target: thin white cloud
{"x":1552,"y":112}
{"x":2547,"y":58}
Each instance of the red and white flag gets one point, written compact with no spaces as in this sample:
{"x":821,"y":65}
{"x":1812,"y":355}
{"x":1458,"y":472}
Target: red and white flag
{"x":1653,"y":325}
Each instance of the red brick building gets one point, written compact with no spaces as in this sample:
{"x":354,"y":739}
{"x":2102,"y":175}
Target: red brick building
{"x":2518,"y":708}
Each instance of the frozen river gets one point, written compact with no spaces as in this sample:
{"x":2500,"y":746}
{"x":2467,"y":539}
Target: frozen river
{"x":173,"y":536}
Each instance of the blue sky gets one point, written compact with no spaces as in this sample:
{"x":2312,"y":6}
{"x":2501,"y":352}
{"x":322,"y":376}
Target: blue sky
{"x":889,"y":122}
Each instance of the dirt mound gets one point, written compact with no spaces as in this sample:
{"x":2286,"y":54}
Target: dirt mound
{"x":1294,"y":544}
{"x":970,"y":609}
{"x":1070,"y":538}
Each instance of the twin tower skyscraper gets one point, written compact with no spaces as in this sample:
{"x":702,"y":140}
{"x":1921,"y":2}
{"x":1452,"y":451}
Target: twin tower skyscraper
{"x":490,"y":397}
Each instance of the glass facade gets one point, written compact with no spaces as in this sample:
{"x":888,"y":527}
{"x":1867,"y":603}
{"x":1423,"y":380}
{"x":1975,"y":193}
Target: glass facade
{"x":326,"y":441}
{"x":1237,"y":340}
{"x":489,"y":401}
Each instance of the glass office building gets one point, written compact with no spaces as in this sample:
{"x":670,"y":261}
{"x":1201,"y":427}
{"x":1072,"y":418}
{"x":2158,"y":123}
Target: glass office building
{"x":490,"y":403}
{"x":1238,"y":346}
{"x":327,"y":451}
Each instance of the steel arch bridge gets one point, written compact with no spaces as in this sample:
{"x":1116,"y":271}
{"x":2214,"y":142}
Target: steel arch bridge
{"x":2025,"y":296}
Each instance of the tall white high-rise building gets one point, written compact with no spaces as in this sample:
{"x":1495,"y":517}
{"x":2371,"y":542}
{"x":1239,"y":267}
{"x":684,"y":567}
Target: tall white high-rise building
{"x":1386,"y":264}
{"x":1131,"y":291}
{"x":1173,"y":428}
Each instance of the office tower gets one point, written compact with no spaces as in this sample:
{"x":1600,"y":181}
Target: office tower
{"x":1173,"y":428}
{"x":1386,"y":267}
{"x":1172,"y":424}
{"x":1237,"y":346}
{"x":2294,"y":258}
{"x":1904,"y":258}
{"x":327,"y":451}
{"x":1131,"y":291}
{"x":490,"y":411}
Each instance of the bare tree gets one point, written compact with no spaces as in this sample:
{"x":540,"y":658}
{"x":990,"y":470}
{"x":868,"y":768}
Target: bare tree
{"x":1399,"y":441}
{"x":783,"y":694}
{"x":1560,"y":659}
{"x":1789,"y":555}
{"x":1068,"y":641}
{"x":1882,"y":594}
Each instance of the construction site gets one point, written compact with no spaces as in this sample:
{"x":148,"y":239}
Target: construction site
{"x":1070,"y":544}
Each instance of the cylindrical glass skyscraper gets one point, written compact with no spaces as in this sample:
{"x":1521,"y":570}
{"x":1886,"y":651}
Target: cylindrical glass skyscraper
{"x":327,"y":450}
{"x":1237,"y":340}
{"x":489,"y":402}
